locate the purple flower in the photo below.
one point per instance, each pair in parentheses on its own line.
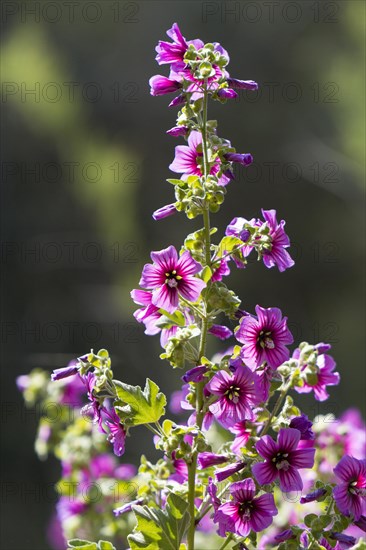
(282,460)
(177,131)
(304,425)
(172,52)
(222,270)
(216,502)
(164,212)
(277,255)
(117,435)
(242,435)
(237,396)
(221,332)
(242,84)
(228,471)
(350,492)
(177,101)
(246,512)
(161,85)
(170,276)
(264,337)
(361,523)
(315,495)
(127,507)
(241,158)
(318,381)
(206,460)
(237,228)
(188,159)
(195,374)
(227,93)
(346,541)
(69,506)
(285,535)
(64,372)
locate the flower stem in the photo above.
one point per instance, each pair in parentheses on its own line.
(275,410)
(192,466)
(226,542)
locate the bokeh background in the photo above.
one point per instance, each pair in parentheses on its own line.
(85,158)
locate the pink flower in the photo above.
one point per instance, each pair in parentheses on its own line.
(242,435)
(188,159)
(319,381)
(237,396)
(117,433)
(350,492)
(161,85)
(246,512)
(172,52)
(264,338)
(282,460)
(276,255)
(171,276)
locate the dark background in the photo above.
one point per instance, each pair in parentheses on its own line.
(85,158)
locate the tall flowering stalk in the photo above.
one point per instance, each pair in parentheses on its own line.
(221,472)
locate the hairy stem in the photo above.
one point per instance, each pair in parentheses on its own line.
(192,466)
(226,542)
(276,408)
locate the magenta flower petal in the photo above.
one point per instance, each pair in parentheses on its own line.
(164,212)
(347,468)
(165,298)
(264,473)
(266,447)
(191,288)
(303,458)
(288,439)
(290,480)
(161,85)
(242,84)
(243,490)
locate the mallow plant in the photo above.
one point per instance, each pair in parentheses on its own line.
(247,469)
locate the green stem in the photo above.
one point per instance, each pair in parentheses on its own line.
(226,542)
(192,466)
(152,429)
(276,408)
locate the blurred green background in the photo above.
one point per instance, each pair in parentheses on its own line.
(84,162)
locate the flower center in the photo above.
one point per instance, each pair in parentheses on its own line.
(172,279)
(245,510)
(233,393)
(281,461)
(264,339)
(358,487)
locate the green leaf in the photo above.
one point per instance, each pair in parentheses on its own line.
(141,407)
(106,545)
(309,519)
(177,318)
(160,529)
(227,245)
(174,181)
(206,274)
(82,544)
